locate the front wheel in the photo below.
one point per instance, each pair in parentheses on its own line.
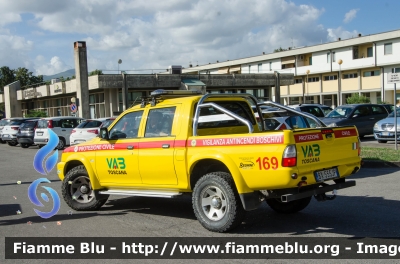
(77,190)
(382,141)
(289,207)
(216,202)
(2,141)
(12,143)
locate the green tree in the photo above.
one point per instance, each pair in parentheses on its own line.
(26,77)
(96,72)
(36,113)
(357,99)
(280,49)
(6,76)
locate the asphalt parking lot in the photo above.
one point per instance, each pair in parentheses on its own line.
(368,210)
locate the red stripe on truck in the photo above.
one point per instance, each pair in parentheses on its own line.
(308,137)
(351,132)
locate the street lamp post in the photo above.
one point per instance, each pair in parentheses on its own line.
(304,96)
(340,84)
(119,62)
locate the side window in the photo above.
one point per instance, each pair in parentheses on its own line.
(296,122)
(56,123)
(159,122)
(76,122)
(127,126)
(378,110)
(362,111)
(211,117)
(67,123)
(312,123)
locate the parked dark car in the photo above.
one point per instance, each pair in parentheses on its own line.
(363,116)
(26,133)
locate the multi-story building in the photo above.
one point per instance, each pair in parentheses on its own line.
(325,73)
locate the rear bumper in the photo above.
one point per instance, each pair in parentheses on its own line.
(251,201)
(25,140)
(8,137)
(40,141)
(318,189)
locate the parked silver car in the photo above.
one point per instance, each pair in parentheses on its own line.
(384,129)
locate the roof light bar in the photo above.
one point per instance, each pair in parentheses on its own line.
(174,92)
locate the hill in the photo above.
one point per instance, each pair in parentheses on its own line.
(65,74)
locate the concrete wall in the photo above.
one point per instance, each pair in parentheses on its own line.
(12,105)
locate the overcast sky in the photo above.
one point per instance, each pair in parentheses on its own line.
(150,34)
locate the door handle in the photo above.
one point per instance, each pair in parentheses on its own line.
(371,118)
(165,146)
(63,130)
(129,147)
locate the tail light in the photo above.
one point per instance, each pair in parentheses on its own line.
(15,128)
(289,158)
(73,131)
(283,126)
(50,123)
(93,131)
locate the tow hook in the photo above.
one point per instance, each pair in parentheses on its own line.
(322,197)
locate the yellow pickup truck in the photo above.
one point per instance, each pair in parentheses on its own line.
(212,147)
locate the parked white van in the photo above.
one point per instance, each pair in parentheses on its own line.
(61,125)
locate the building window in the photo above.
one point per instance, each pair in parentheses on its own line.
(249,68)
(334,56)
(395,70)
(369,52)
(371,73)
(298,80)
(388,48)
(355,52)
(350,75)
(313,79)
(328,57)
(330,78)
(259,67)
(310,61)
(270,65)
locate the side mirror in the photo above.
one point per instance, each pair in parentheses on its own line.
(104,133)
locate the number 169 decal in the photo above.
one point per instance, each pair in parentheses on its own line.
(266,163)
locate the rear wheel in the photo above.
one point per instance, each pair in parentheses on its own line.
(61,144)
(216,203)
(289,207)
(77,190)
(12,143)
(24,145)
(382,141)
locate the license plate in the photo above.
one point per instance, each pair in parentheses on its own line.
(326,174)
(39,133)
(385,134)
(5,135)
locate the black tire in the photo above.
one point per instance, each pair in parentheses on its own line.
(2,141)
(77,183)
(226,198)
(289,207)
(24,145)
(61,144)
(12,143)
(382,141)
(40,146)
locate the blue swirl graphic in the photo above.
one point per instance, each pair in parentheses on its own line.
(43,152)
(34,199)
